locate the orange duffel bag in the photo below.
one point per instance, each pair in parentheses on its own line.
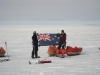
(52,50)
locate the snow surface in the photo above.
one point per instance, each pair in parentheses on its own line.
(19,46)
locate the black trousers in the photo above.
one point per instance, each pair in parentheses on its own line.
(35,51)
(63,45)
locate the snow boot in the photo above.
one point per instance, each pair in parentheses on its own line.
(63,51)
(57,52)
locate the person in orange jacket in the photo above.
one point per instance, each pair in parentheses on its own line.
(62,43)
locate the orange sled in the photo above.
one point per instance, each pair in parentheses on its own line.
(73,51)
(2,52)
(52,50)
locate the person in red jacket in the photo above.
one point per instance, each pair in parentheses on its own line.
(62,43)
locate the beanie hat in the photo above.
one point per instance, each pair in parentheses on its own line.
(62,31)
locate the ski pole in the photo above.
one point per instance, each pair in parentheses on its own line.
(7,50)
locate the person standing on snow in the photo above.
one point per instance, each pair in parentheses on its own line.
(62,43)
(35,45)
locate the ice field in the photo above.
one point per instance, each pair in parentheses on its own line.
(19,46)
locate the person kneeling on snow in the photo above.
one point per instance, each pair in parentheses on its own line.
(62,43)
(35,45)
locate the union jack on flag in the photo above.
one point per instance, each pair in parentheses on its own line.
(47,39)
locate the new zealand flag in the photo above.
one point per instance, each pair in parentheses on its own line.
(48,39)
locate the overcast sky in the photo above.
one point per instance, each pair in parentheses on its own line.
(49,11)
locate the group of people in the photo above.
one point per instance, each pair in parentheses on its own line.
(62,43)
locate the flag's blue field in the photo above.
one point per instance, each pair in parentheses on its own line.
(46,39)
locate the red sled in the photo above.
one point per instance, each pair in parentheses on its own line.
(73,51)
(44,61)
